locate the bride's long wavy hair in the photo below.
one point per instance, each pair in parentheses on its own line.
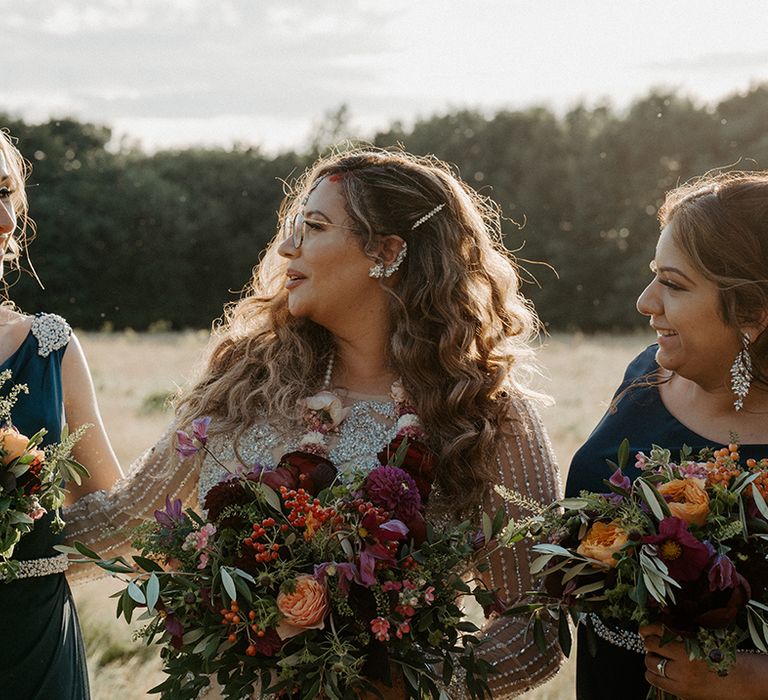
(461,330)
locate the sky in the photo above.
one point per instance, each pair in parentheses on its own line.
(174,73)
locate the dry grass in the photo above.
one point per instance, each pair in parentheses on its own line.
(133,373)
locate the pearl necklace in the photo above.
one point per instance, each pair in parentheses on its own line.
(329,371)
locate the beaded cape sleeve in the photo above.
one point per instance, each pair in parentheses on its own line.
(524,463)
(104,520)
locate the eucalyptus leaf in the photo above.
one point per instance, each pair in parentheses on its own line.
(228,583)
(136,593)
(153,591)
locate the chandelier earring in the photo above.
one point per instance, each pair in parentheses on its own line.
(741,374)
(380,270)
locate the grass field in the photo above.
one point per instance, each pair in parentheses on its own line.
(134,373)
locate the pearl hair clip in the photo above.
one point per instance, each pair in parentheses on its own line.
(427,216)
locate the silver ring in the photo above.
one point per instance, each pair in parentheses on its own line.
(661,667)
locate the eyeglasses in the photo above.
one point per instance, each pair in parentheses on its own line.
(296,228)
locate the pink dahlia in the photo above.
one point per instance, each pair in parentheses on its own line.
(394,489)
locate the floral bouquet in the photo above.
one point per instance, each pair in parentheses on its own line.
(684,545)
(31,479)
(306,587)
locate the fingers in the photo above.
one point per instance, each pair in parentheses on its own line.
(657,671)
(670,650)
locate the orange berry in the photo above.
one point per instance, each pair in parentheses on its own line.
(251,615)
(232,638)
(260,633)
(251,650)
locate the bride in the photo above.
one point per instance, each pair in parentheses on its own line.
(388,275)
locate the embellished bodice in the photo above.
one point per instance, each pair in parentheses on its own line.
(369,428)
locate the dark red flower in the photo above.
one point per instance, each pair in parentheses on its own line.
(393,489)
(698,606)
(419,462)
(313,472)
(685,556)
(269,644)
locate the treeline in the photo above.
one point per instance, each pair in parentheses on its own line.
(128,239)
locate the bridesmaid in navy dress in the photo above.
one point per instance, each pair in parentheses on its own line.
(705,380)
(41,650)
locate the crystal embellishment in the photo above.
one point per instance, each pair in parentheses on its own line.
(51,332)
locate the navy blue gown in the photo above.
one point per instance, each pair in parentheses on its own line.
(41,650)
(642,418)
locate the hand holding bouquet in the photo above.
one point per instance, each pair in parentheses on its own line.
(684,545)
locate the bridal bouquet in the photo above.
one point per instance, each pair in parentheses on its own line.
(31,478)
(685,545)
(307,587)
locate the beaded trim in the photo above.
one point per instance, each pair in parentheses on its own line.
(51,331)
(618,637)
(32,568)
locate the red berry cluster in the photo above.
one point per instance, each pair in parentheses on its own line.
(302,505)
(237,624)
(269,551)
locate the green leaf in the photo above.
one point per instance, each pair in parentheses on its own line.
(574,503)
(147,564)
(487,528)
(229,583)
(85,551)
(589,588)
(760,501)
(498,522)
(153,592)
(271,497)
(538,634)
(623,455)
(136,594)
(651,497)
(540,563)
(564,633)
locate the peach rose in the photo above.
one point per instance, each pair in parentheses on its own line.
(13,444)
(602,541)
(687,499)
(304,609)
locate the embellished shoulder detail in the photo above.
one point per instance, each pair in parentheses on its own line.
(51,332)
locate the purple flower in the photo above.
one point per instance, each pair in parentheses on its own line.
(395,490)
(621,481)
(684,555)
(394,530)
(172,515)
(200,428)
(187,447)
(368,558)
(346,572)
(174,628)
(721,574)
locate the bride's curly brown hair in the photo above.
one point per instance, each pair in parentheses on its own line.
(461,330)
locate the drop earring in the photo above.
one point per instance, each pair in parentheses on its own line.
(741,374)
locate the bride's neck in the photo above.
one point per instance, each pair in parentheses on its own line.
(362,366)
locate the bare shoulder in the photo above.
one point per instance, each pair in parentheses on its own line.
(14,328)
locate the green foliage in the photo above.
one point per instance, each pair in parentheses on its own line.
(129,239)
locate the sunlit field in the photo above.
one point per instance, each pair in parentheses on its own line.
(135,373)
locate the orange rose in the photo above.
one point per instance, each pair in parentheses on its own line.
(602,541)
(13,444)
(687,499)
(303,609)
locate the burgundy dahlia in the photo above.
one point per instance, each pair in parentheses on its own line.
(395,490)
